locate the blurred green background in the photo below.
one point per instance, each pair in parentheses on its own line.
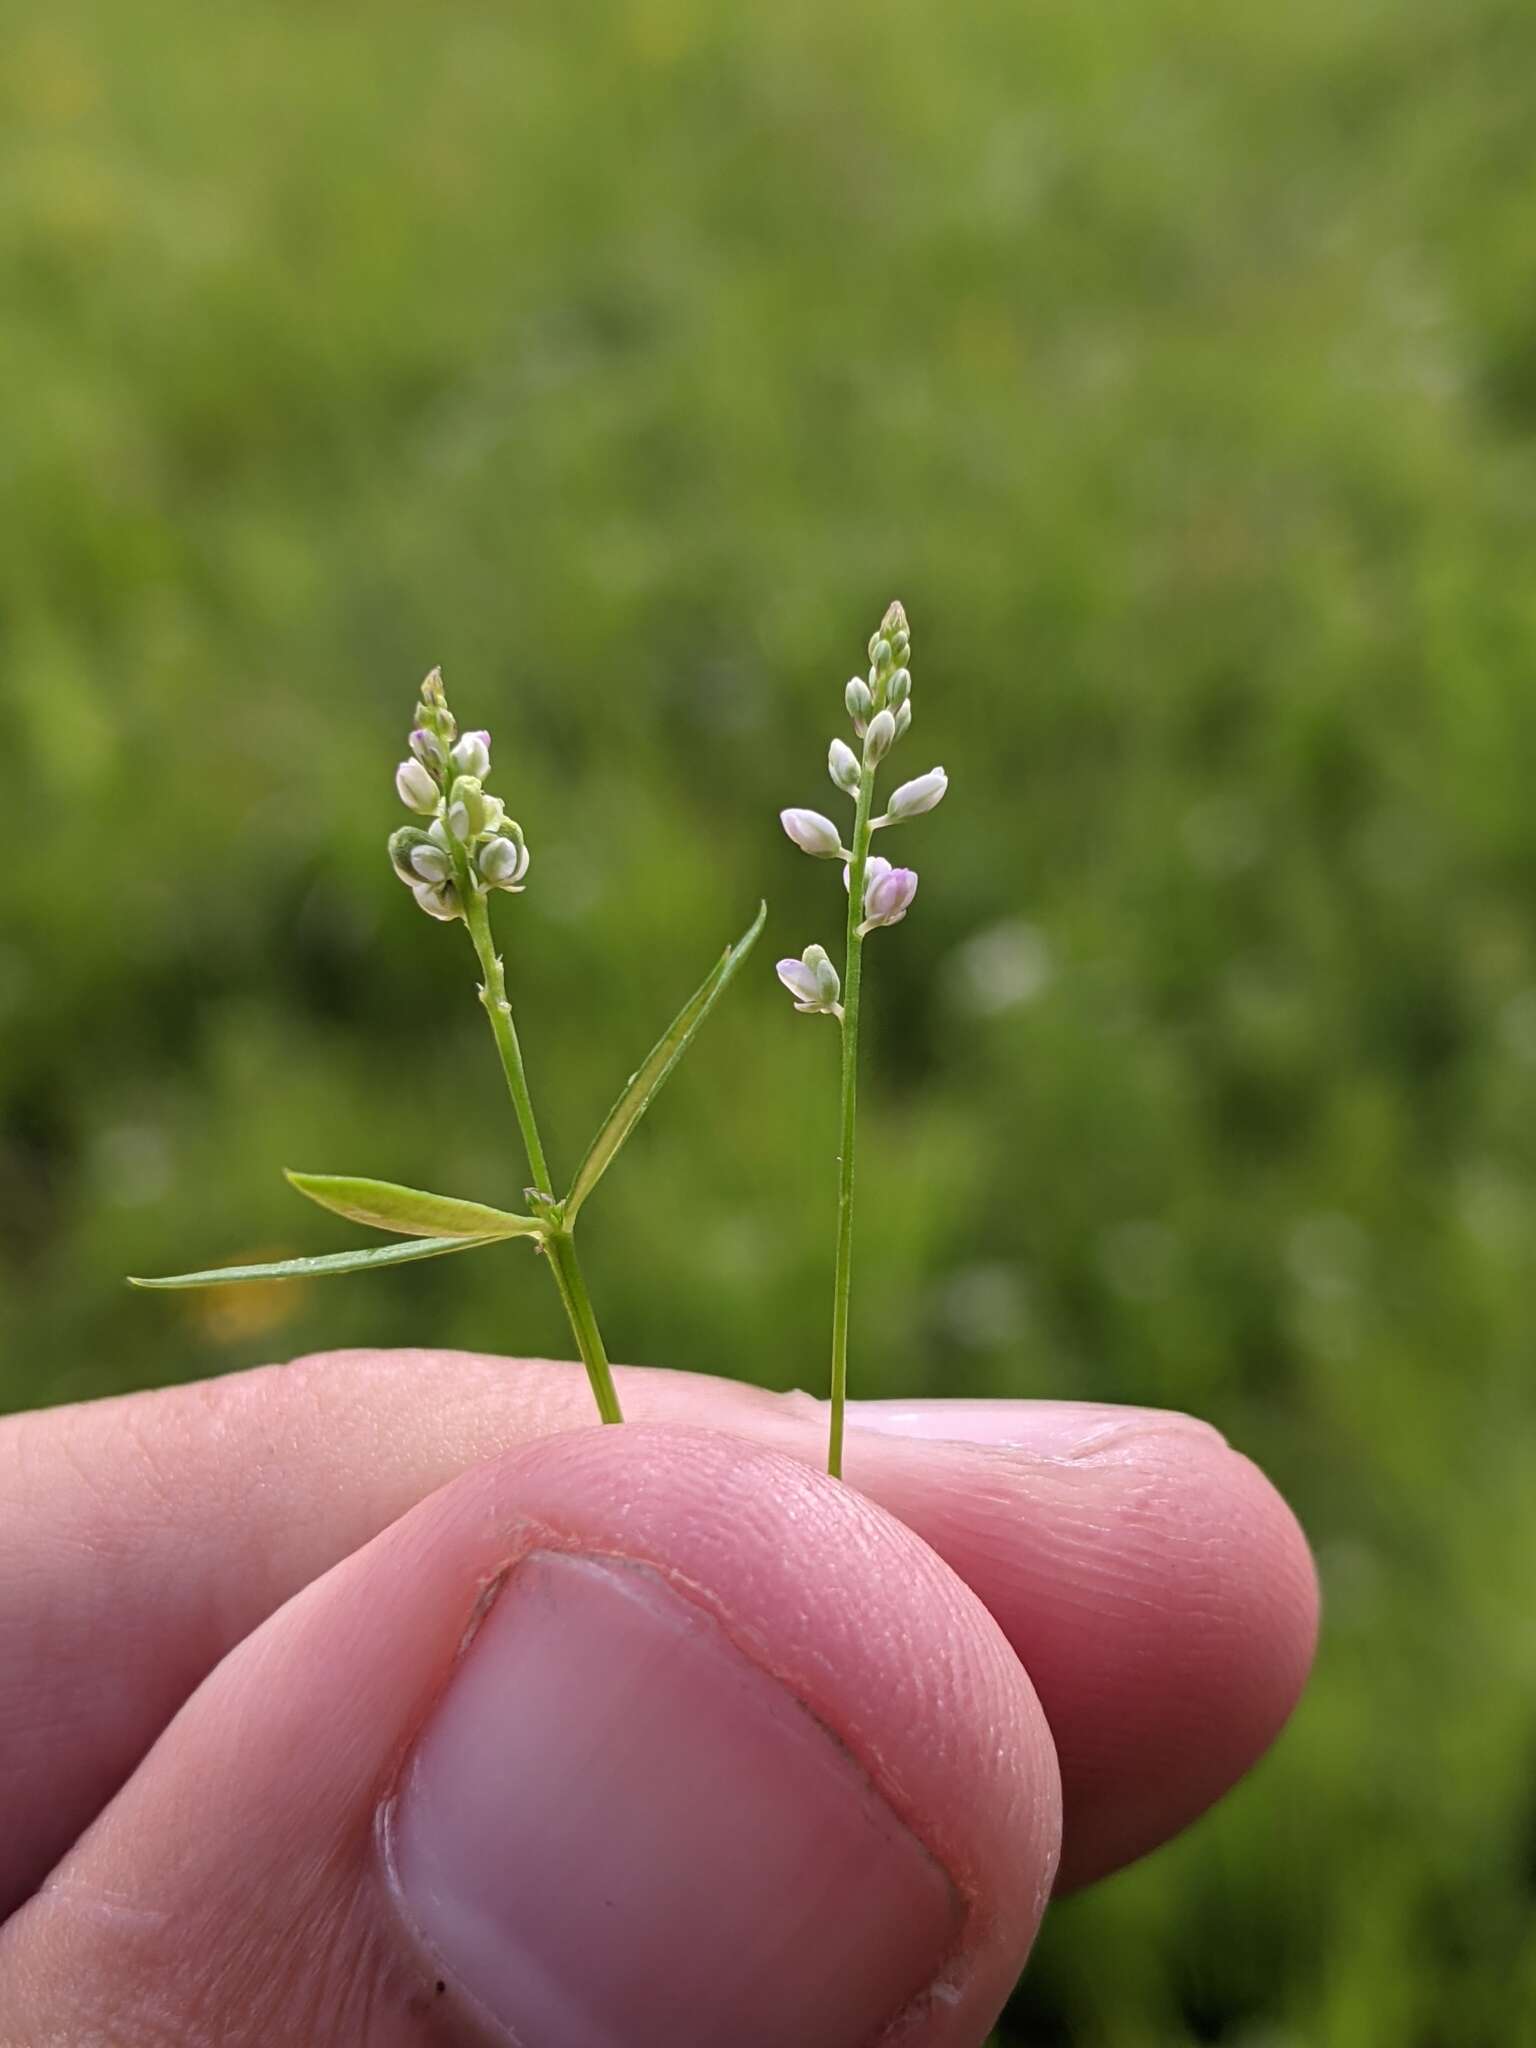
(1177,365)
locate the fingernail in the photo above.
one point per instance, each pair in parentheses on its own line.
(618,1831)
(1053,1429)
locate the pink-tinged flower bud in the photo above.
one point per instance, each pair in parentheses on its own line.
(843,767)
(880,738)
(438,899)
(812,980)
(472,755)
(917,796)
(860,703)
(504,863)
(800,982)
(812,833)
(428,748)
(888,894)
(416,788)
(430,864)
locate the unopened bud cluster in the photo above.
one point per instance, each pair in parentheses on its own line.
(880,707)
(471,842)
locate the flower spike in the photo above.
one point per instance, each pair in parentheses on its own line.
(470,845)
(880,707)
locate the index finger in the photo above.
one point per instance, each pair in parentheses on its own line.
(1154,1585)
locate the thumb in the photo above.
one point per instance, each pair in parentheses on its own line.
(641,1738)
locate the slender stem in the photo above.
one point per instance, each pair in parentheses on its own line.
(853,974)
(558,1243)
(563,1263)
(493,998)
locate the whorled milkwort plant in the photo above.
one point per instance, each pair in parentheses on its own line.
(465,851)
(880,706)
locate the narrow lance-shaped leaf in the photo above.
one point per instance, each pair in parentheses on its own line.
(411,1211)
(329,1262)
(643,1086)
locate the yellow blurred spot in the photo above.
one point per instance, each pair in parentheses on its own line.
(229,1315)
(660,31)
(55,80)
(74,194)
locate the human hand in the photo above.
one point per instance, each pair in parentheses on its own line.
(372,1700)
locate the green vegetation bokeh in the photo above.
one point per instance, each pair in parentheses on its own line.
(1177,366)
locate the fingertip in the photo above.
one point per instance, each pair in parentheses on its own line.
(649,1734)
(1178,1643)
(1149,1577)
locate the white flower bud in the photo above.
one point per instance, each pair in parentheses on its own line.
(859,702)
(466,809)
(899,688)
(917,796)
(828,985)
(415,787)
(427,747)
(903,717)
(812,980)
(472,755)
(402,845)
(812,833)
(880,738)
(438,899)
(503,863)
(843,767)
(431,864)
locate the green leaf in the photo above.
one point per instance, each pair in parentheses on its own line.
(411,1211)
(331,1262)
(642,1088)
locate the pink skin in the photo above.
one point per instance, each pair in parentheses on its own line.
(1148,1579)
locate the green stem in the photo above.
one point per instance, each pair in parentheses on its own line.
(563,1263)
(558,1243)
(842,1283)
(493,999)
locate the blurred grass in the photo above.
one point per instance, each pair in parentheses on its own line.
(1177,366)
